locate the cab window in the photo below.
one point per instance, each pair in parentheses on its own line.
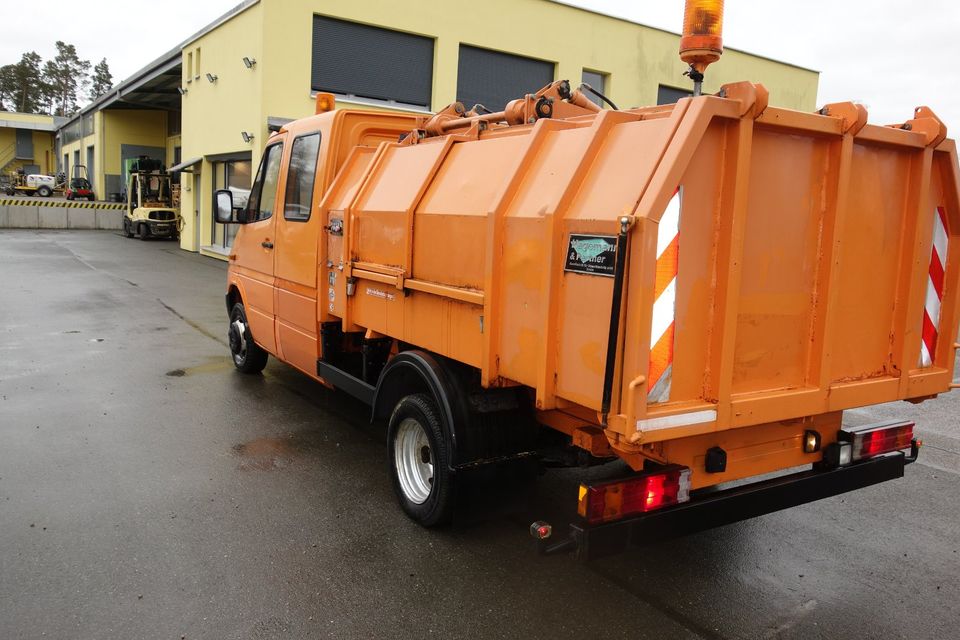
(300,177)
(263,196)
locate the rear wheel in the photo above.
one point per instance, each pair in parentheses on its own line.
(420,461)
(248,357)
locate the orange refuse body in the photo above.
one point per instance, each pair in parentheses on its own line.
(774,267)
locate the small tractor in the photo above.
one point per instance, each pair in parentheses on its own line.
(149,211)
(32,184)
(79,186)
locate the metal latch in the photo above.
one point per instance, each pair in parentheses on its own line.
(335,228)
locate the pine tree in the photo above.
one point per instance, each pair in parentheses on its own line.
(65,75)
(102,80)
(21,85)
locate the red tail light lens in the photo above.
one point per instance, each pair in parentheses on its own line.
(621,498)
(874,440)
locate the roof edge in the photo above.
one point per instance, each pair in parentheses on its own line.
(569,3)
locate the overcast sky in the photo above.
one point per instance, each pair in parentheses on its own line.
(890,55)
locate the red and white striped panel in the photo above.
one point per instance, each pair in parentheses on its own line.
(665,302)
(931,307)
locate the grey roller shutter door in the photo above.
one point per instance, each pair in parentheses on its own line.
(493,79)
(370,62)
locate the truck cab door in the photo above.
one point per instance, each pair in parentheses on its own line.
(298,227)
(254,248)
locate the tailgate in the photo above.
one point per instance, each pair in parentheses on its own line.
(807,263)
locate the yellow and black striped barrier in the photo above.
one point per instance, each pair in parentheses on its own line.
(67,204)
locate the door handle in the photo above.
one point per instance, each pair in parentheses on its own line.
(266,244)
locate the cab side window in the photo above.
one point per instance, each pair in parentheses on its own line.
(263,196)
(300,177)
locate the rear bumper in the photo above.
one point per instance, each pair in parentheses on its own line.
(725,507)
(162,229)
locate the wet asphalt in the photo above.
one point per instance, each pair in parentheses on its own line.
(149,491)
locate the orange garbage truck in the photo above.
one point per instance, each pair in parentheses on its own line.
(698,290)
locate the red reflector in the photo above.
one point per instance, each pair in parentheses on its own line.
(875,440)
(639,494)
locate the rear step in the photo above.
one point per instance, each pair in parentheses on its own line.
(721,508)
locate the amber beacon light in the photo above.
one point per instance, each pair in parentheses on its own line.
(701,43)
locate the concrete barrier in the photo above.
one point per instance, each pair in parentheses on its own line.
(21,217)
(55,215)
(52,217)
(108,219)
(81,219)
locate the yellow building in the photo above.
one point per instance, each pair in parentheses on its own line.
(261,64)
(27,143)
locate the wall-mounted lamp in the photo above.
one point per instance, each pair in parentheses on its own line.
(182,91)
(249,62)
(211,78)
(247,137)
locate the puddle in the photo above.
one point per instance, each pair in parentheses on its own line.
(216,364)
(265,454)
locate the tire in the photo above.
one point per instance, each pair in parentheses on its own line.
(91,197)
(247,355)
(69,197)
(143,230)
(44,191)
(127,229)
(420,461)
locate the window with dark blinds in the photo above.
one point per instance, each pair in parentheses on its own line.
(669,95)
(493,79)
(370,62)
(597,81)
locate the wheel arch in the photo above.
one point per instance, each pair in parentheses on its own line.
(416,371)
(233,296)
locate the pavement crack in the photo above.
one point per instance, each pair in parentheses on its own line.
(192,323)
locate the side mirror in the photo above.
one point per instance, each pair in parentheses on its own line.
(224,207)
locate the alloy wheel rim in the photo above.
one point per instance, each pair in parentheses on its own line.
(238,341)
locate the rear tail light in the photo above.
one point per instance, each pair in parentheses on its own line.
(621,498)
(861,443)
(874,440)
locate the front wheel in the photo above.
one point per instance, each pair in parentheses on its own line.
(144,231)
(127,229)
(420,461)
(248,357)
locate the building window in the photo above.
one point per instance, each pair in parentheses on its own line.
(234,175)
(190,66)
(596,80)
(173,123)
(72,132)
(300,176)
(369,62)
(669,95)
(493,78)
(87,125)
(196,67)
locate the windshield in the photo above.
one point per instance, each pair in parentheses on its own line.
(154,189)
